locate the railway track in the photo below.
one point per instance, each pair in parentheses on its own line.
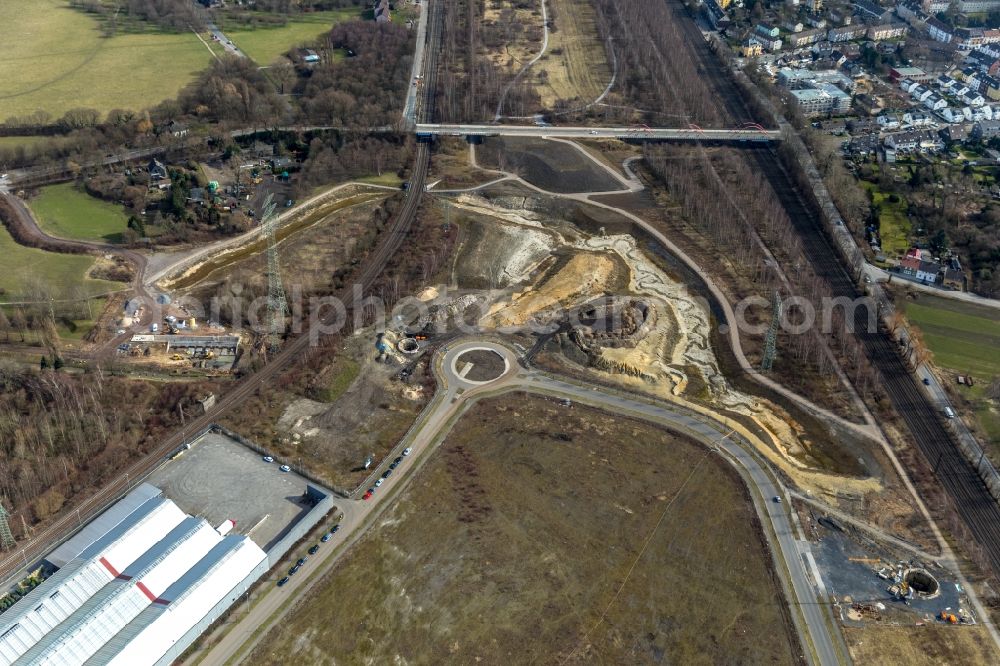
(291,353)
(957,476)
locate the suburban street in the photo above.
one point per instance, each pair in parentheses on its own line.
(456,393)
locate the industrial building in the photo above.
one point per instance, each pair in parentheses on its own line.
(135,586)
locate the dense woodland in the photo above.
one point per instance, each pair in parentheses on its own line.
(61,434)
(741,216)
(470,86)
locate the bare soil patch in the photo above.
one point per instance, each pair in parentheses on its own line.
(550,165)
(521,541)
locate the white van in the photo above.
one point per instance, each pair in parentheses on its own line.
(949,412)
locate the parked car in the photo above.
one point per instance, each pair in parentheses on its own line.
(378,482)
(314,549)
(398,459)
(301,561)
(326,537)
(927,381)
(393,465)
(407,451)
(386,474)
(335,528)
(285,468)
(268,459)
(367,495)
(282,581)
(777,500)
(291,572)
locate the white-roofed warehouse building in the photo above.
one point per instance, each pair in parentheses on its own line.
(151,559)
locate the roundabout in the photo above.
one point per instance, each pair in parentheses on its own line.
(477,363)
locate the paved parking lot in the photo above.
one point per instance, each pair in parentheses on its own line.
(219,478)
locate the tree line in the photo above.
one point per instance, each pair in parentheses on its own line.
(742,217)
(61,434)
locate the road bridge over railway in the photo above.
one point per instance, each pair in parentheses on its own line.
(745,133)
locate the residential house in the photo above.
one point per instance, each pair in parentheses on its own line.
(177,129)
(863,145)
(935,103)
(921,93)
(751,47)
(308,56)
(197,195)
(945,82)
(954,133)
(914,141)
(794,26)
(917,265)
(381,11)
(908,9)
(969,38)
(805,38)
(916,119)
(821,99)
(985,130)
(952,115)
(978,6)
(973,99)
(869,104)
(871,11)
(936,6)
(882,31)
(983,61)
(938,31)
(768,36)
(991,89)
(846,33)
(157,170)
(887,121)
(815,21)
(952,275)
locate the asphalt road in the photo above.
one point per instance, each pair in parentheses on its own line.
(456,394)
(642,132)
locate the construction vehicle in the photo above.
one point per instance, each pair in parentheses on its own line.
(177,357)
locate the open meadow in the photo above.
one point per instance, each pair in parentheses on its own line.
(62,275)
(67,212)
(575,68)
(55,59)
(521,540)
(963,339)
(264,45)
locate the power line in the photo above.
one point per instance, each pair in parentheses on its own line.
(277,305)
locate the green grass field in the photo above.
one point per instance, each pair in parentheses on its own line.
(53,58)
(894,226)
(62,274)
(962,336)
(964,339)
(264,45)
(65,211)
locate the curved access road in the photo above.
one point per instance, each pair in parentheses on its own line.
(456,393)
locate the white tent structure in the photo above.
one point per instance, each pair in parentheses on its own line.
(139,594)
